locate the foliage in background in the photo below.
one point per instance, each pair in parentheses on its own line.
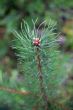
(13,11)
(62,3)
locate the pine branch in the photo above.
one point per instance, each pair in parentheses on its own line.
(13,91)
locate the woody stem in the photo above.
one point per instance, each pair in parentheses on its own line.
(39,66)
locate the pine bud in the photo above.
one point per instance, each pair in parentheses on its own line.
(36,41)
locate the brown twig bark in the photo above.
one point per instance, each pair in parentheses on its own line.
(39,66)
(13,91)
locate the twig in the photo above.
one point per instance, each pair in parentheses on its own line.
(13,91)
(41,78)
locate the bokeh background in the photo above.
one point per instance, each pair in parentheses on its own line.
(11,14)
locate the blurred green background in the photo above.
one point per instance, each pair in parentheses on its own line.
(11,14)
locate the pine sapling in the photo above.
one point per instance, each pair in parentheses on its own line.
(42,63)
